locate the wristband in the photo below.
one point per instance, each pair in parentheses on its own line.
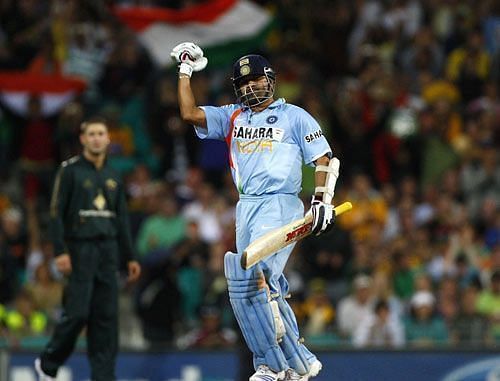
(185,69)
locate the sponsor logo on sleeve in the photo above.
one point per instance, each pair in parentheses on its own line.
(313,136)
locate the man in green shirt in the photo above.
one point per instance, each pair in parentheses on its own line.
(488,304)
(90,229)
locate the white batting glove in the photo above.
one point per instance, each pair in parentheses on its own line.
(190,58)
(323,216)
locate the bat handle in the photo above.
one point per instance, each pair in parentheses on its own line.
(344,207)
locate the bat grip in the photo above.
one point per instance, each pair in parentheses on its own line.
(344,207)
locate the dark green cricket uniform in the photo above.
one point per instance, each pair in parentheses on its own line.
(89,221)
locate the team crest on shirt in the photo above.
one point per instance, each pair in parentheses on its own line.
(313,136)
(111,184)
(272,119)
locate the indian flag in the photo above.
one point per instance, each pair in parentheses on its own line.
(54,90)
(224,29)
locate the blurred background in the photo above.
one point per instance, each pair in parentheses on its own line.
(407,93)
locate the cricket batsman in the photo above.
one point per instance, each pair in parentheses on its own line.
(268,139)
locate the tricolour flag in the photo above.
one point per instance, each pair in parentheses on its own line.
(224,29)
(54,90)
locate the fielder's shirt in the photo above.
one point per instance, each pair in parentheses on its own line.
(267,148)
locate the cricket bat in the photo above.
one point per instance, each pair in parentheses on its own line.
(281,237)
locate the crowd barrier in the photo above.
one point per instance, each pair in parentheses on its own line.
(344,365)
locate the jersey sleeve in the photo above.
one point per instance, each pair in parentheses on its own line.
(58,208)
(309,137)
(218,122)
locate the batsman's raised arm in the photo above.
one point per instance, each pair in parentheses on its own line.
(190,58)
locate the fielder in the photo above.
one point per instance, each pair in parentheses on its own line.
(268,140)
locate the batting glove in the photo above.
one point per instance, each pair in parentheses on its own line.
(323,216)
(190,58)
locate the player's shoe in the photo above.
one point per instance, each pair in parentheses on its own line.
(40,373)
(315,368)
(292,375)
(264,373)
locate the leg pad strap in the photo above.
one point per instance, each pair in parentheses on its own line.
(298,356)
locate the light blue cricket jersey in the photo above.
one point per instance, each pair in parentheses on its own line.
(266,149)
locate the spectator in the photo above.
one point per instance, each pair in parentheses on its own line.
(203,211)
(24,320)
(152,233)
(45,291)
(370,208)
(481,178)
(210,334)
(157,305)
(470,327)
(14,238)
(469,65)
(354,308)
(318,310)
(38,152)
(422,328)
(380,329)
(488,304)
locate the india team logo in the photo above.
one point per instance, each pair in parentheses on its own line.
(272,119)
(245,70)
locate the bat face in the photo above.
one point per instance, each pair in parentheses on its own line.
(277,239)
(298,233)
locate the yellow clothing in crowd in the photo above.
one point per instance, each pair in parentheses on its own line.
(365,213)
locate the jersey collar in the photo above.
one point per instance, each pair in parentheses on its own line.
(278,102)
(90,164)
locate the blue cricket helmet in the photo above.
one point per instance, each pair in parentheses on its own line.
(250,67)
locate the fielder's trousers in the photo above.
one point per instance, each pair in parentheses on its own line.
(91,300)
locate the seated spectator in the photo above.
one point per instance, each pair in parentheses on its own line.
(469,65)
(353,308)
(45,291)
(470,327)
(190,257)
(480,178)
(157,305)
(403,275)
(210,334)
(140,187)
(380,329)
(467,275)
(161,230)
(318,309)
(488,304)
(203,211)
(40,246)
(23,320)
(370,208)
(422,327)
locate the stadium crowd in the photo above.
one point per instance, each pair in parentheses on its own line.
(407,93)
